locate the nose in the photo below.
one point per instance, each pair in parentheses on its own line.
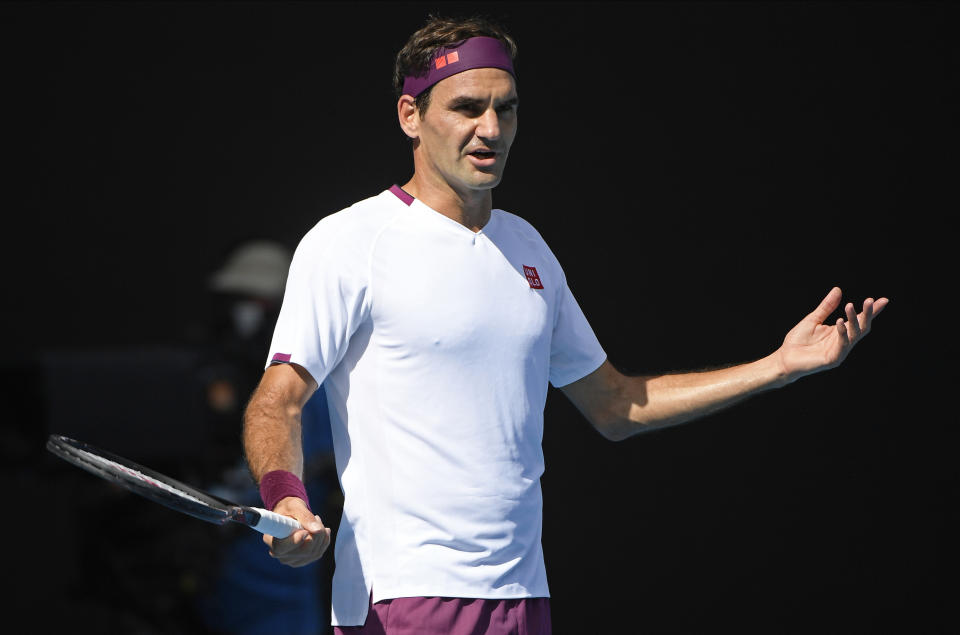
(488,124)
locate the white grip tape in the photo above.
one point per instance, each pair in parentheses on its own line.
(275,525)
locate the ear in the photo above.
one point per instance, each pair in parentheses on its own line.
(407,114)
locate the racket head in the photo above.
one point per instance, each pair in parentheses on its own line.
(148,483)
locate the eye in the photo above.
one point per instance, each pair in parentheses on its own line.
(467,107)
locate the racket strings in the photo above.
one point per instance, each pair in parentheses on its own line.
(114,466)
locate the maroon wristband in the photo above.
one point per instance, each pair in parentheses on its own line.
(278,484)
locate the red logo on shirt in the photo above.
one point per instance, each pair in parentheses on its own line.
(532,277)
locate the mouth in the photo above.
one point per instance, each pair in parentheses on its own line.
(483,158)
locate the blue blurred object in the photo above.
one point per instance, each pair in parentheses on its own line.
(317,439)
(256,595)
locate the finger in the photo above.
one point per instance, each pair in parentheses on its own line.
(304,545)
(297,509)
(866,316)
(316,543)
(307,552)
(314,525)
(842,332)
(320,544)
(853,322)
(878,305)
(284,546)
(827,306)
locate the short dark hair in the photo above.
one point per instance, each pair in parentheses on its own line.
(414,58)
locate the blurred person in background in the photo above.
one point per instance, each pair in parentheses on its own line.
(251,593)
(245,295)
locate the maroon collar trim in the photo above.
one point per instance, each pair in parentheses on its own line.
(397,191)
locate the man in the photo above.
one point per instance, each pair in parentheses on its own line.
(435,323)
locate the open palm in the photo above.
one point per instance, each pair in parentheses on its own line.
(812,345)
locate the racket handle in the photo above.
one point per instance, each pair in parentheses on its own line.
(275,525)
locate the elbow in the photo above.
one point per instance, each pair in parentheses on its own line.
(621,414)
(272,402)
(611,402)
(613,428)
(625,421)
(612,434)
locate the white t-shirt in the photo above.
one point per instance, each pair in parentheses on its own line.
(435,346)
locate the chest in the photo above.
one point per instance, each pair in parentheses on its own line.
(441,290)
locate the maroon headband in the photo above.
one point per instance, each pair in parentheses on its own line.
(475,52)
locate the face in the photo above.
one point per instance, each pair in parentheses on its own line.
(468,128)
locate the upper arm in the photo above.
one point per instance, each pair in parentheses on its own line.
(326,297)
(287,385)
(599,396)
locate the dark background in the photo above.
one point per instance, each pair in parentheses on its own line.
(705,172)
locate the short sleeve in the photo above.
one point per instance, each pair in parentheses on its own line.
(575,351)
(324,300)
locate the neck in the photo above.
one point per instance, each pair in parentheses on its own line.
(470,208)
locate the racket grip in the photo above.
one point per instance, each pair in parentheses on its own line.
(275,525)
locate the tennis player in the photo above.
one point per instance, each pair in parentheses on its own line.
(435,323)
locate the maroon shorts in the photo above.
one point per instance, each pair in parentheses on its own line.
(454,616)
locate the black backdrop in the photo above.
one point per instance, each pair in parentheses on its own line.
(705,172)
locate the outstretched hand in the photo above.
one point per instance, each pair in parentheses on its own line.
(813,345)
(304,545)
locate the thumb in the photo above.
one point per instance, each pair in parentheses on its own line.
(297,508)
(827,306)
(313,525)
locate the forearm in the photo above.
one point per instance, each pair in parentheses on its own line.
(271,439)
(648,402)
(272,428)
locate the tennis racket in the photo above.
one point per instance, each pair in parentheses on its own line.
(167,491)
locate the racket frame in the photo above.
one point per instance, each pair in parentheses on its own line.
(150,484)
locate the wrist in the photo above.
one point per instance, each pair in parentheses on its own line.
(280,484)
(781,374)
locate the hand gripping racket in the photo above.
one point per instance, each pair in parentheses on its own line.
(167,491)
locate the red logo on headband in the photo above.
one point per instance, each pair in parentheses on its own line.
(449,58)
